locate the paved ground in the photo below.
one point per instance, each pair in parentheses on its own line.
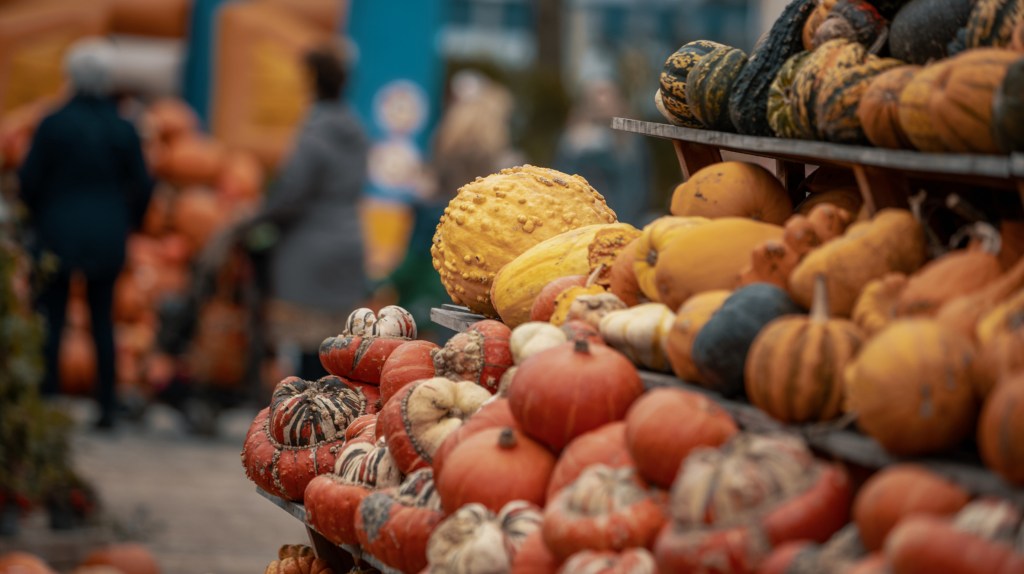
(186,497)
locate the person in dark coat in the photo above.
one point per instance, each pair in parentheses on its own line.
(315,267)
(86,186)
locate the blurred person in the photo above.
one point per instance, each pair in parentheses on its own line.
(86,187)
(615,163)
(472,140)
(308,226)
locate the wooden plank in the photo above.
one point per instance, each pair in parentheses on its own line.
(338,559)
(882,188)
(981,169)
(453,319)
(694,157)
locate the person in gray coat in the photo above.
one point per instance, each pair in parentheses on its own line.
(315,267)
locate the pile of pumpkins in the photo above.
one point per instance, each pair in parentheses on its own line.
(201,184)
(930,75)
(530,444)
(113,558)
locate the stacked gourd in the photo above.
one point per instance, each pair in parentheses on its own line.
(930,75)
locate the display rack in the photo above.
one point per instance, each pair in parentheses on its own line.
(833,439)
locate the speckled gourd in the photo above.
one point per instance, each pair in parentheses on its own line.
(493,219)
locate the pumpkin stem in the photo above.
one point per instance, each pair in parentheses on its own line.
(507,438)
(983,236)
(581,346)
(820,303)
(592,278)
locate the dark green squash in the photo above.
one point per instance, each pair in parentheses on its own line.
(748,103)
(672,82)
(840,93)
(990,24)
(923,29)
(782,96)
(709,84)
(720,349)
(1008,109)
(826,60)
(855,20)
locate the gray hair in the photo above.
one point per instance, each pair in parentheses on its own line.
(89,64)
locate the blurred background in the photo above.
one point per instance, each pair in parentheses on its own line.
(217,91)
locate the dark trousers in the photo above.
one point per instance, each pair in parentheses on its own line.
(52,303)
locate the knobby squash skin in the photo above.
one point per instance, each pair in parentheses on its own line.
(748,102)
(721,347)
(709,84)
(673,78)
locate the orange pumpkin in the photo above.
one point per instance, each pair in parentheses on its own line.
(129,557)
(926,544)
(493,414)
(956,273)
(898,491)
(544,304)
(240,176)
(410,361)
(1000,336)
(1000,429)
(534,557)
(622,280)
(665,425)
(605,445)
(23,563)
(930,406)
(795,365)
(963,313)
(732,189)
(878,110)
(692,315)
(192,159)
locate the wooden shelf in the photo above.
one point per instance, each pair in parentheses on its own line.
(833,439)
(885,176)
(342,558)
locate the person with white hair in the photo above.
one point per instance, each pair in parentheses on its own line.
(85,185)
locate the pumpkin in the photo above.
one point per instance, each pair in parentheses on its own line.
(492,220)
(170,118)
(731,505)
(331,505)
(653,239)
(533,337)
(875,563)
(362,428)
(197,215)
(516,468)
(604,250)
(773,261)
(297,559)
(931,406)
(732,188)
(589,308)
(925,544)
(991,518)
(192,159)
(516,285)
(1000,427)
(475,539)
(914,110)
(720,348)
(304,412)
(665,425)
(691,317)
(603,509)
(241,176)
(839,553)
(605,445)
(818,15)
(958,272)
(1008,106)
(419,417)
(479,354)
(563,392)
(782,98)
(368,463)
(22,562)
(544,304)
(708,256)
(534,557)
(961,105)
(368,339)
(893,241)
(878,110)
(709,83)
(999,335)
(876,306)
(395,524)
(825,62)
(284,470)
(923,29)
(855,20)
(622,279)
(748,102)
(629,561)
(673,78)
(794,370)
(128,557)
(899,491)
(963,313)
(838,99)
(638,332)
(495,413)
(410,361)
(991,23)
